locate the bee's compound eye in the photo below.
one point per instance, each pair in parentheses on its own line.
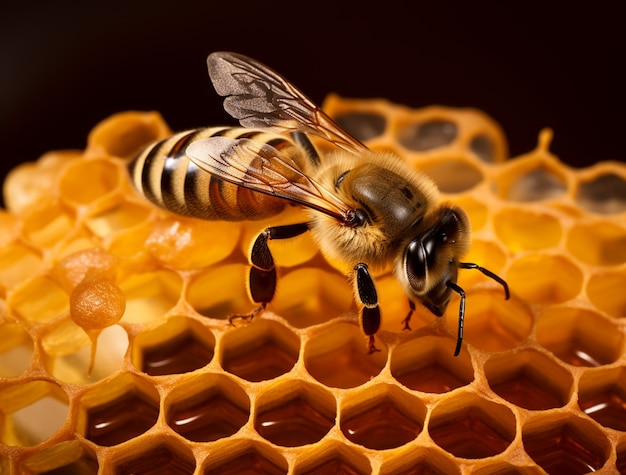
(416,263)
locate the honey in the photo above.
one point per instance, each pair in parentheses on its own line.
(92,276)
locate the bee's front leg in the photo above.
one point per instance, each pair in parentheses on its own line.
(368,297)
(262,274)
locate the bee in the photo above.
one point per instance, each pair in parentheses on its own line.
(367,209)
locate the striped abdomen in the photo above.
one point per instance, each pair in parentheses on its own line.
(166,176)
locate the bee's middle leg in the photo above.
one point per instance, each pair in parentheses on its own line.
(262,274)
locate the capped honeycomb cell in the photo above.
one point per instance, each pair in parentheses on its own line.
(469,426)
(259,351)
(382,417)
(561,443)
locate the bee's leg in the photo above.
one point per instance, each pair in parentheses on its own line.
(407,319)
(459,333)
(370,313)
(262,275)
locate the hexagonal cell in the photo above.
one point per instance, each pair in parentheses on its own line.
(104,175)
(332,457)
(245,458)
(579,337)
(621,458)
(606,292)
(428,364)
(482,145)
(47,225)
(426,135)
(523,229)
(492,323)
(118,410)
(476,211)
(505,468)
(207,408)
(602,396)
(531,179)
(16,350)
(337,357)
(294,413)
(68,353)
(220,291)
(261,350)
(124,216)
(600,243)
(18,263)
(564,443)
(155,456)
(362,125)
(309,296)
(425,461)
(382,417)
(453,175)
(545,279)
(65,458)
(33,412)
(604,194)
(469,426)
(39,300)
(488,254)
(150,295)
(529,379)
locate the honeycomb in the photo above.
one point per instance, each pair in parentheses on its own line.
(116,354)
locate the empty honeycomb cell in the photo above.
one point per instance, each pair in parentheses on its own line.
(483,147)
(524,229)
(545,279)
(578,336)
(621,458)
(600,243)
(16,350)
(178,345)
(79,365)
(476,211)
(427,135)
(150,295)
(261,350)
(207,408)
(39,300)
(492,323)
(500,468)
(330,456)
(156,456)
(602,396)
(428,460)
(125,134)
(123,216)
(603,194)
(185,243)
(65,458)
(428,364)
(564,443)
(219,291)
(606,292)
(382,417)
(105,178)
(469,426)
(309,296)
(453,175)
(18,263)
(337,357)
(529,379)
(46,226)
(31,412)
(117,410)
(294,413)
(362,125)
(245,458)
(490,254)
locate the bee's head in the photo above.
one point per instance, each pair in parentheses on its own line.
(431,259)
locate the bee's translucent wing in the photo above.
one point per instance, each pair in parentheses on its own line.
(260,98)
(261,167)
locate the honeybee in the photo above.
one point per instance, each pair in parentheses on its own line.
(366,209)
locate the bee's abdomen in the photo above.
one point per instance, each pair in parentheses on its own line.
(164,175)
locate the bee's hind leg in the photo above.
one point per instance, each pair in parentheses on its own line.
(262,275)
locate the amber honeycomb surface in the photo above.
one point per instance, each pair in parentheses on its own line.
(116,355)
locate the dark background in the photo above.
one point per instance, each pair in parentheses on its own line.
(64,66)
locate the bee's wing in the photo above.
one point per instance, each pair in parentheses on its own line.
(260,98)
(261,167)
